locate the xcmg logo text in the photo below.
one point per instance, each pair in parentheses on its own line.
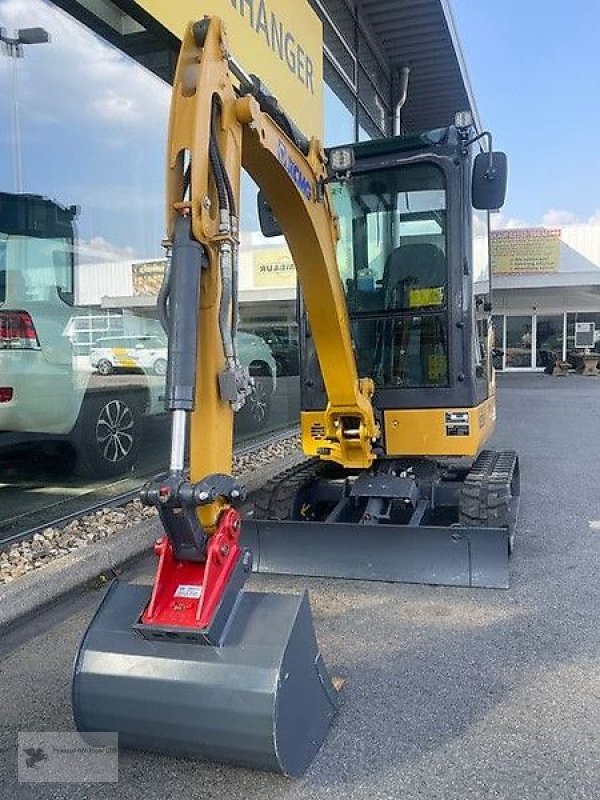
(293,170)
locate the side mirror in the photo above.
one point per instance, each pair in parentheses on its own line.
(268,224)
(489,181)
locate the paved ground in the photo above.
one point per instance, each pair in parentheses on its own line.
(451,694)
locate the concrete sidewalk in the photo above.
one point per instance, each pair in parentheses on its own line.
(451,693)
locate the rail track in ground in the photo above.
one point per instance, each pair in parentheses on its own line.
(16,528)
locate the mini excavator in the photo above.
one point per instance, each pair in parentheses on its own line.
(397,486)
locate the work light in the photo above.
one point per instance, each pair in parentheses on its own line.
(341,159)
(463,119)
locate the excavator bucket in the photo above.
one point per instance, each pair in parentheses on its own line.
(260,698)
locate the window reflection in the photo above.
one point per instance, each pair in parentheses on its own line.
(410,351)
(81,264)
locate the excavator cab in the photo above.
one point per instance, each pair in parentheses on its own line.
(408,267)
(434,507)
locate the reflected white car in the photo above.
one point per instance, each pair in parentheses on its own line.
(48,391)
(148,353)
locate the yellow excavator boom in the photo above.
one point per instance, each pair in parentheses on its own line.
(207,103)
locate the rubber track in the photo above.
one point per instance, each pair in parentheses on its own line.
(276,499)
(486,497)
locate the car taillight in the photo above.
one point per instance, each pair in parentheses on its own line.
(6,394)
(17,331)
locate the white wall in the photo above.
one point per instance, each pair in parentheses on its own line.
(580,248)
(546,300)
(106,279)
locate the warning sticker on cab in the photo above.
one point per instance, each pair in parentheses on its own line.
(428,296)
(188,590)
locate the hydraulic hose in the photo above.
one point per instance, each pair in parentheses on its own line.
(226,296)
(235,314)
(232,285)
(218,169)
(162,302)
(229,254)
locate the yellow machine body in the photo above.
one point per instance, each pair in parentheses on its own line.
(422,432)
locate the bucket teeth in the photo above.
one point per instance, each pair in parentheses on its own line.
(263,699)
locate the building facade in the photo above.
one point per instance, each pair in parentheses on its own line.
(545,284)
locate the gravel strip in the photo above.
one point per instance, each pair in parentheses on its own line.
(51,544)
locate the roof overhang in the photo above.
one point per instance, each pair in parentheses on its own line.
(422,35)
(548,280)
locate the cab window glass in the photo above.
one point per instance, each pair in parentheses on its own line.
(408,351)
(392,251)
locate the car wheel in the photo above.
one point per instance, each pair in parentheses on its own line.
(160,366)
(257,408)
(108,435)
(105,367)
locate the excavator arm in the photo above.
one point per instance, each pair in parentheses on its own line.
(219,126)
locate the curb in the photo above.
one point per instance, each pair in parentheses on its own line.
(45,587)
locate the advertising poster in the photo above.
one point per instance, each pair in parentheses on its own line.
(525,250)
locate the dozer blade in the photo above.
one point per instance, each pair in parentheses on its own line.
(262,699)
(445,556)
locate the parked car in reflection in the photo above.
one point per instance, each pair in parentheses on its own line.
(147,353)
(49,396)
(284,348)
(115,354)
(256,355)
(286,354)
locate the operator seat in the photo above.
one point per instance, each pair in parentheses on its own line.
(409,349)
(412,266)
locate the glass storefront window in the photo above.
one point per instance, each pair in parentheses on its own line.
(549,339)
(339,122)
(85,146)
(81,264)
(498,345)
(574,354)
(518,342)
(582,316)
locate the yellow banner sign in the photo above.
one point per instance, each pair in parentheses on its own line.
(525,250)
(281,41)
(148,277)
(273,268)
